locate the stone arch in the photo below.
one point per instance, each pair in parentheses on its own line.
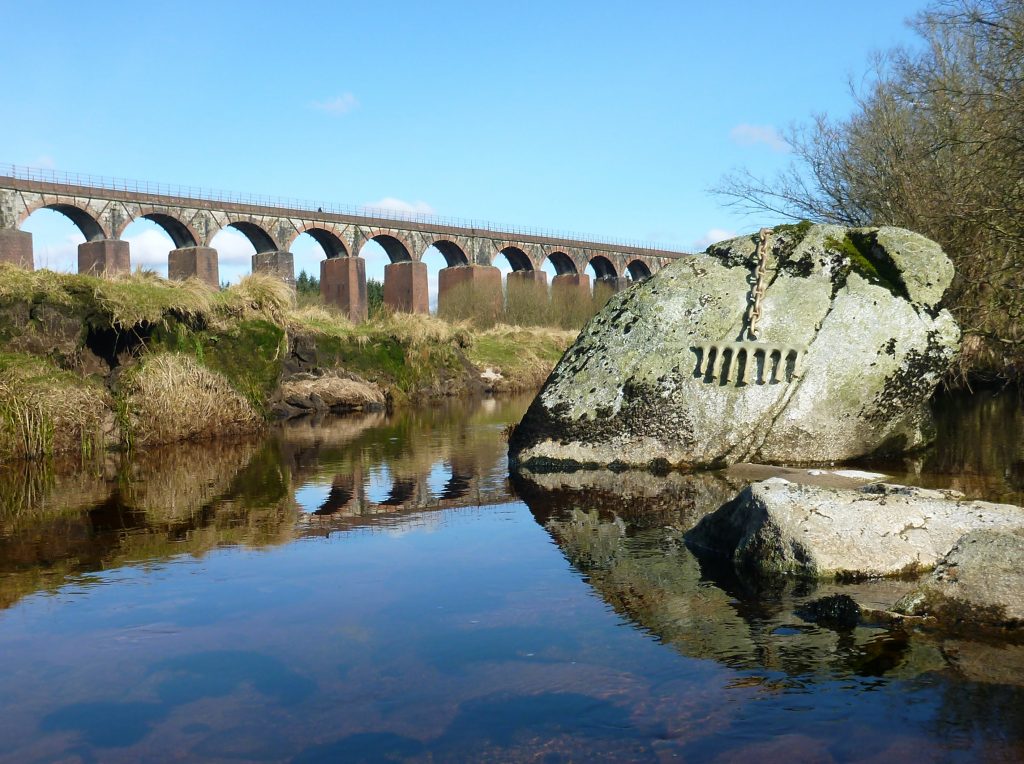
(453,254)
(562,262)
(516,257)
(396,249)
(603,267)
(403,491)
(181,233)
(90,227)
(257,236)
(331,243)
(638,270)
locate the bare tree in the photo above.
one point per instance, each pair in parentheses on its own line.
(935,144)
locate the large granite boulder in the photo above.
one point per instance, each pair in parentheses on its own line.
(852,342)
(779,527)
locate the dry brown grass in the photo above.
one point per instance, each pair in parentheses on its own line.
(143,297)
(46,411)
(259,295)
(180,482)
(169,397)
(320,319)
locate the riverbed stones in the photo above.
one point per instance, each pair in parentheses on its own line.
(865,305)
(778,527)
(980,581)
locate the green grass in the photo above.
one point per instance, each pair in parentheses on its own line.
(56,326)
(523,356)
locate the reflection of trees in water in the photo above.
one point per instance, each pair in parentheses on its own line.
(979,449)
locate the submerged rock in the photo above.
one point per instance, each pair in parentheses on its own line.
(836,611)
(776,527)
(852,342)
(980,581)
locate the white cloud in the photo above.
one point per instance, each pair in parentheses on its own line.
(149,249)
(338,105)
(752,135)
(390,204)
(45,162)
(232,247)
(713,236)
(57,254)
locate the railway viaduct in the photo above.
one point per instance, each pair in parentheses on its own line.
(102,208)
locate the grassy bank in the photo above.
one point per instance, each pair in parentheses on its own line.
(91,363)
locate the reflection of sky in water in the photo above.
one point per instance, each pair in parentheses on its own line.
(311,496)
(438,477)
(378,484)
(242,631)
(460,635)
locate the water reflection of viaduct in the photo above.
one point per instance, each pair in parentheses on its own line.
(349,496)
(365,480)
(103,208)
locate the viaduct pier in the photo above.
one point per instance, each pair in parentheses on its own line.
(102,208)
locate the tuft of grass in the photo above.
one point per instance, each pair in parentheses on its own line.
(259,295)
(169,397)
(41,286)
(46,411)
(144,298)
(320,319)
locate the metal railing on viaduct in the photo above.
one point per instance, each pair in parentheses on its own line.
(102,208)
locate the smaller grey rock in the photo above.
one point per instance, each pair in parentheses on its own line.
(980,582)
(778,527)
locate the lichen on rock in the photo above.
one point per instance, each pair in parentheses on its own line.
(777,527)
(865,323)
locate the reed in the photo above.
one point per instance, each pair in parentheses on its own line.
(44,410)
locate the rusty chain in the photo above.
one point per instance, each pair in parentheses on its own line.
(757,291)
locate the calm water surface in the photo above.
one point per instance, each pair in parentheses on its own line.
(377,589)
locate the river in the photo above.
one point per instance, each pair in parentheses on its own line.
(376,588)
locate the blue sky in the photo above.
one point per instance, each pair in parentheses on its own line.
(605,118)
